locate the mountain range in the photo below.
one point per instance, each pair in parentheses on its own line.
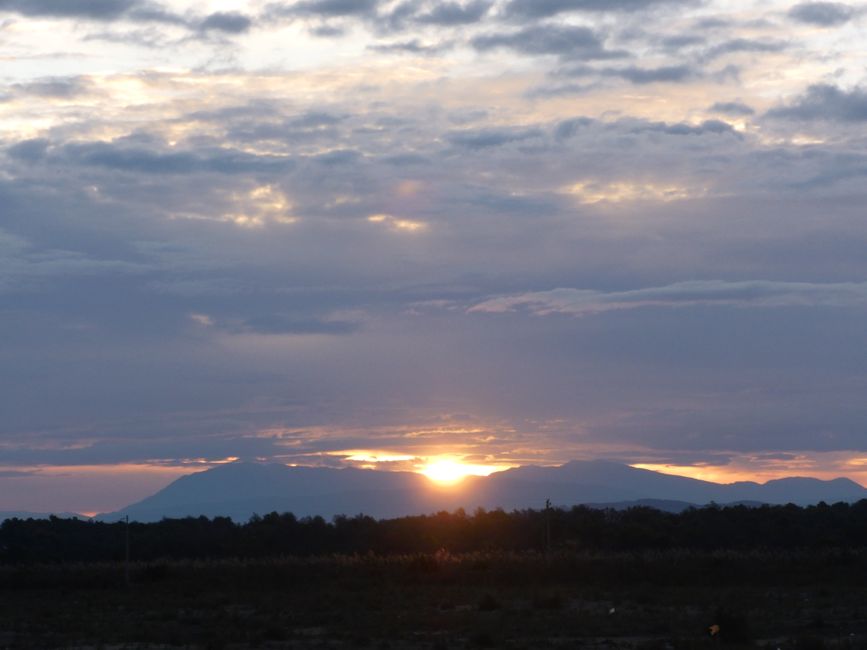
(24,514)
(241,489)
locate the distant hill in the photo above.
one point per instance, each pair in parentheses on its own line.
(667,505)
(39,515)
(238,490)
(578,481)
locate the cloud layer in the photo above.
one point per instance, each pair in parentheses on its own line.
(514,231)
(578,302)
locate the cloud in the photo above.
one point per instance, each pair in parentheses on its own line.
(382,16)
(565,41)
(638,75)
(148,12)
(229,22)
(824,14)
(453,13)
(707,127)
(825,102)
(413,46)
(485,138)
(14,473)
(592,192)
(751,45)
(523,9)
(326,8)
(310,127)
(280,324)
(734,109)
(671,73)
(29,150)
(136,159)
(89,9)
(675,43)
(763,294)
(25,268)
(568,128)
(95,10)
(55,87)
(134,11)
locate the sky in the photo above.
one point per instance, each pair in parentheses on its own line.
(378,232)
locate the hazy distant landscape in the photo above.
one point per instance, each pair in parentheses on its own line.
(239,490)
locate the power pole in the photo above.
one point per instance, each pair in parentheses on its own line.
(548,528)
(126,562)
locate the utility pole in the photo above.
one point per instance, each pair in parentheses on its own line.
(548,528)
(126,562)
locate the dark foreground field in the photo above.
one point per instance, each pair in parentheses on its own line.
(661,599)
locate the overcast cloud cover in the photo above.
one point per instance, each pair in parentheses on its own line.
(511,230)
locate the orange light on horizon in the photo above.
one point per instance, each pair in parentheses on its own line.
(759,473)
(451,471)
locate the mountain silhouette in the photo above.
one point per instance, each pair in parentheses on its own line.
(241,489)
(25,514)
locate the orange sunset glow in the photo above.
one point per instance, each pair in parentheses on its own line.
(451,471)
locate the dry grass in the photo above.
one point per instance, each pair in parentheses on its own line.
(650,600)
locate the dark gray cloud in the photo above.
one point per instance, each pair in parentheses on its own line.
(385,18)
(637,75)
(674,43)
(55,87)
(565,41)
(382,17)
(560,90)
(751,45)
(825,102)
(398,18)
(485,138)
(6,474)
(523,9)
(145,12)
(29,150)
(825,14)
(315,119)
(413,46)
(146,37)
(568,128)
(672,73)
(715,127)
(283,324)
(713,23)
(310,127)
(122,157)
(95,10)
(88,9)
(326,8)
(229,22)
(453,13)
(735,109)
(134,11)
(327,31)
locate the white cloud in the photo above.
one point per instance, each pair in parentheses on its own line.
(763,294)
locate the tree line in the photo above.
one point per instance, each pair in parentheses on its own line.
(580,528)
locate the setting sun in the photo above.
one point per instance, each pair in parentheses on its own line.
(448,471)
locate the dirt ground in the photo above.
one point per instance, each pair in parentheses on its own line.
(662,600)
